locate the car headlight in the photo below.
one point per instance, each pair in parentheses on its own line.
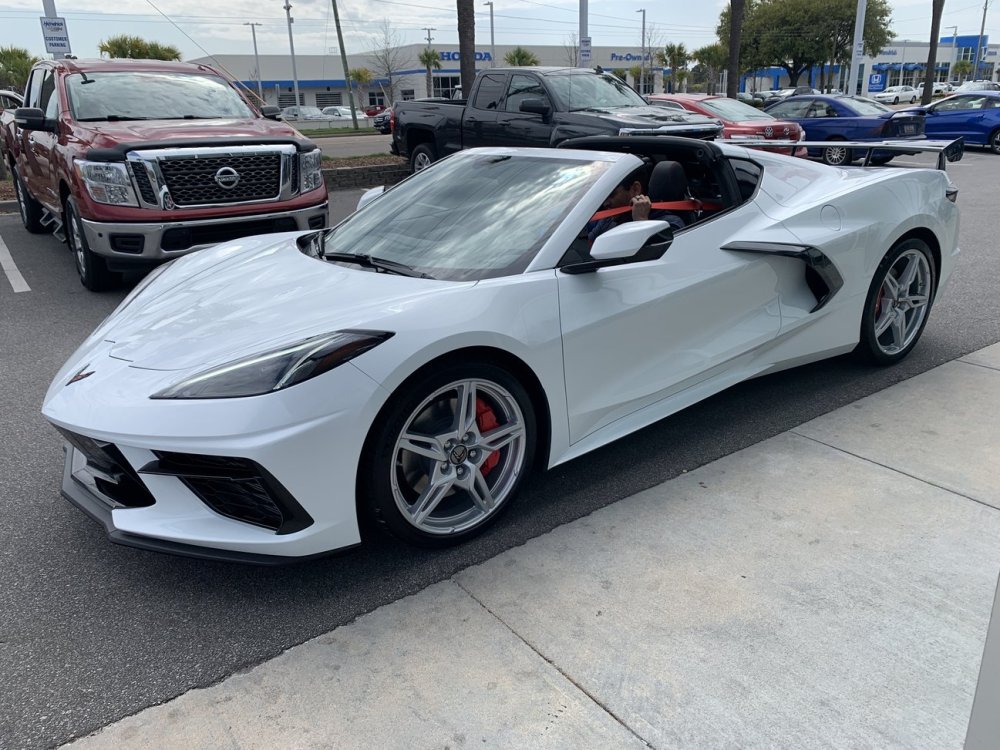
(278,368)
(310,170)
(107,182)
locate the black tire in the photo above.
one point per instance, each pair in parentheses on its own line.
(882,160)
(872,346)
(30,209)
(994,142)
(92,268)
(837,156)
(895,100)
(392,480)
(422,157)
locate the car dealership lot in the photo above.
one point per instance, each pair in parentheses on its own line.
(91,632)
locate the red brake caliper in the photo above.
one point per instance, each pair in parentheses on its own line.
(486,420)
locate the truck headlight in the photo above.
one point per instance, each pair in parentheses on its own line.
(310,173)
(107,182)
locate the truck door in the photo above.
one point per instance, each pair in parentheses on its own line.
(516,128)
(479,121)
(41,144)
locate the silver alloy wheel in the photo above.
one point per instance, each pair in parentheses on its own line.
(901,304)
(835,155)
(995,141)
(76,243)
(19,194)
(421,161)
(444,477)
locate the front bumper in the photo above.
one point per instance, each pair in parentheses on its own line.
(157,241)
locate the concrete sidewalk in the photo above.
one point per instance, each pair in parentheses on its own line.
(827,588)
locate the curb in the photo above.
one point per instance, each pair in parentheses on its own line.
(337,178)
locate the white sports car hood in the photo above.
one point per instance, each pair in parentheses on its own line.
(251,296)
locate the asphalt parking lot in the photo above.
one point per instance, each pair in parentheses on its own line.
(91,632)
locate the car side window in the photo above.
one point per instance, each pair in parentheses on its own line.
(48,102)
(992,102)
(791,109)
(820,109)
(522,87)
(490,91)
(32,89)
(952,105)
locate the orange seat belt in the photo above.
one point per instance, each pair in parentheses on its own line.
(688,205)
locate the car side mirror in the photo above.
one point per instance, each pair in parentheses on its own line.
(633,241)
(270,112)
(536,107)
(369,196)
(32,118)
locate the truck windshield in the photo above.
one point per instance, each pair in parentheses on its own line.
(580,91)
(471,216)
(130,95)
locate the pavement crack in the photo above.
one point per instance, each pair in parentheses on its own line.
(600,704)
(896,470)
(991,368)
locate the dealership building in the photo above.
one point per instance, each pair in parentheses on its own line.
(322,83)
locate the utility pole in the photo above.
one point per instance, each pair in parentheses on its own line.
(256,58)
(979,42)
(343,64)
(430,39)
(954,52)
(642,62)
(291,46)
(493,48)
(858,50)
(583,26)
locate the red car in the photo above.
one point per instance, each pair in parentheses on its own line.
(373,109)
(739,121)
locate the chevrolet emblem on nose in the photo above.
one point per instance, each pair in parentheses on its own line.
(227,178)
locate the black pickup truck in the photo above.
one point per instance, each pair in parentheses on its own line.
(534,107)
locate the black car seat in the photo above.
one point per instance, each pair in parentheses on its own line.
(668,183)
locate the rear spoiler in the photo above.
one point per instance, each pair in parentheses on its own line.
(946,150)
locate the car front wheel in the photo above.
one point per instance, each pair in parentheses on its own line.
(448,455)
(28,207)
(422,157)
(898,303)
(995,141)
(92,268)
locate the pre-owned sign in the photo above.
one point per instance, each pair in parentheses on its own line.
(56,36)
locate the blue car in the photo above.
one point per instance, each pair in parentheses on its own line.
(848,118)
(973,115)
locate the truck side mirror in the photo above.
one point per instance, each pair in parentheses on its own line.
(32,118)
(536,107)
(271,112)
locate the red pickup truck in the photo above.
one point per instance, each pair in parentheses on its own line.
(133,162)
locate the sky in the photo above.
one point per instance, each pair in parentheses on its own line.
(198,28)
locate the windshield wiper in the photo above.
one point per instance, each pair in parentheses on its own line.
(378,264)
(589,109)
(111,118)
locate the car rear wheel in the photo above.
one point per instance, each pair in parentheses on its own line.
(422,157)
(895,100)
(898,303)
(837,156)
(995,141)
(92,268)
(448,455)
(30,209)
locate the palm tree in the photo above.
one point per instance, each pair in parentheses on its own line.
(15,65)
(636,72)
(135,47)
(961,69)
(619,73)
(519,57)
(713,57)
(431,60)
(737,9)
(466,12)
(675,57)
(362,78)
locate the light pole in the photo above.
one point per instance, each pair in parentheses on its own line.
(256,59)
(979,42)
(291,46)
(583,27)
(493,49)
(857,50)
(642,62)
(954,52)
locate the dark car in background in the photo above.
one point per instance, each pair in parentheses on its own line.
(973,116)
(382,121)
(848,118)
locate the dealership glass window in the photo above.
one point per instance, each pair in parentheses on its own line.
(288,100)
(376,99)
(445,85)
(408,95)
(329,99)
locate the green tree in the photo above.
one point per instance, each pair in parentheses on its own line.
(431,60)
(362,78)
(15,65)
(675,57)
(135,47)
(619,73)
(466,17)
(636,72)
(714,57)
(519,57)
(961,70)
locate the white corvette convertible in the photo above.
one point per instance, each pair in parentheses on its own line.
(254,400)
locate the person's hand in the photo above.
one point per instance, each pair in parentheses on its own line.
(640,208)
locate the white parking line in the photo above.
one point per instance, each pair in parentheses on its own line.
(13,275)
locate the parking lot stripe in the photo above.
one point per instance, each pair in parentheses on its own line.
(13,275)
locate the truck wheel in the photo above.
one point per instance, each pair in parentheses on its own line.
(93,269)
(422,157)
(29,208)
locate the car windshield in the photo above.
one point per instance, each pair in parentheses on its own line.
(863,106)
(730,109)
(132,95)
(471,216)
(581,91)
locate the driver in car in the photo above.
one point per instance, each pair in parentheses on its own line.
(631,190)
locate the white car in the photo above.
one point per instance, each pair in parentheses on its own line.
(343,113)
(415,362)
(897,94)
